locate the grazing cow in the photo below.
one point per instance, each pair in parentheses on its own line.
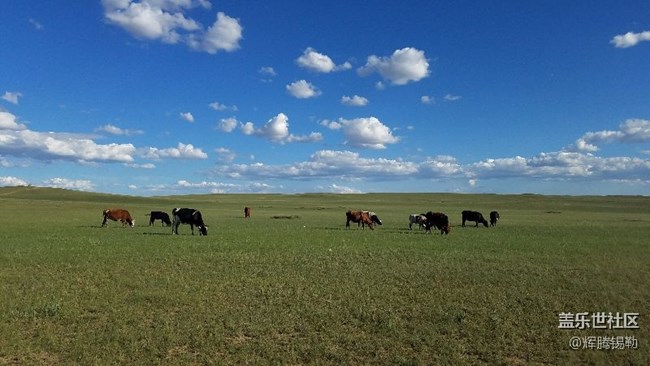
(188,216)
(118,214)
(373,217)
(360,217)
(420,219)
(159,215)
(474,216)
(247,212)
(494,217)
(438,220)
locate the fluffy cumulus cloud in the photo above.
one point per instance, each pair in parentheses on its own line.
(402,67)
(368,132)
(79,185)
(302,89)
(318,62)
(354,101)
(324,164)
(18,141)
(166,21)
(8,122)
(630,131)
(347,165)
(630,39)
(276,130)
(187,116)
(224,34)
(182,151)
(12,181)
(227,124)
(49,146)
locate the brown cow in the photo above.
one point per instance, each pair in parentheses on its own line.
(360,217)
(118,214)
(247,212)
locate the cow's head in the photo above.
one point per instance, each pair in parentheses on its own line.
(132,223)
(375,219)
(203,230)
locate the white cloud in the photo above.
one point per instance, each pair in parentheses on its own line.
(225,155)
(183,185)
(183,151)
(247,128)
(403,66)
(114,130)
(452,98)
(329,164)
(267,70)
(440,166)
(630,131)
(80,185)
(223,35)
(222,107)
(302,89)
(166,20)
(276,130)
(227,124)
(326,164)
(12,97)
(630,39)
(364,132)
(354,101)
(187,116)
(8,122)
(62,146)
(318,62)
(141,166)
(149,19)
(426,99)
(12,181)
(335,188)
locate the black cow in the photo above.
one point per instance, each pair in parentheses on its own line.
(159,215)
(494,217)
(474,216)
(188,216)
(438,220)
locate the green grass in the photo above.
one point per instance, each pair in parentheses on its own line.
(292,286)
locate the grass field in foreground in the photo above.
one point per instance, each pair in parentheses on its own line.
(292,286)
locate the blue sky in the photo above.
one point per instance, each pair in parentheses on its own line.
(158,97)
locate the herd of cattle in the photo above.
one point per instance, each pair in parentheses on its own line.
(188,216)
(193,218)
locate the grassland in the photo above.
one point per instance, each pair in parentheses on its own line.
(291,286)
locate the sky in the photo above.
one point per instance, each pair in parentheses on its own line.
(166,97)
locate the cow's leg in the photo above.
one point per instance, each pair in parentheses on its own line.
(104,222)
(192,228)
(175,225)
